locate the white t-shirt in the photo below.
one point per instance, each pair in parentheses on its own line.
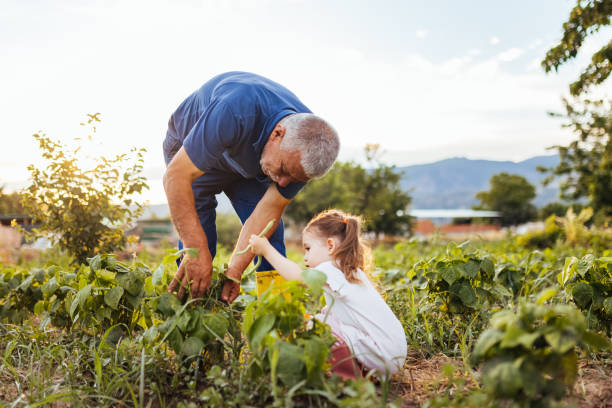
(358,313)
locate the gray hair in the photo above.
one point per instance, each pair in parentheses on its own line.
(316,140)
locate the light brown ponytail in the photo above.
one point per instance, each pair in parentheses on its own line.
(352,253)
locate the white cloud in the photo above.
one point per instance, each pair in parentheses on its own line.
(535,44)
(510,54)
(534,65)
(421,33)
(494,41)
(474,51)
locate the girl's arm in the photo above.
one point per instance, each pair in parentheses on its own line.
(287,269)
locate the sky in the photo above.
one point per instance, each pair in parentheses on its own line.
(425,80)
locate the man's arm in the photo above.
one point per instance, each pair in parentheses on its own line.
(179,175)
(271,206)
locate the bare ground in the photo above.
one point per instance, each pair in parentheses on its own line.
(416,383)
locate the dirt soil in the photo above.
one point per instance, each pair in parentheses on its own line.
(415,384)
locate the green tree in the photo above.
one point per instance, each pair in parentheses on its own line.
(511,195)
(10,203)
(584,19)
(375,194)
(558,209)
(84,212)
(585,165)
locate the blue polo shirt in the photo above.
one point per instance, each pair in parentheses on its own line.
(225,125)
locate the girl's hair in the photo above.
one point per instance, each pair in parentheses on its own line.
(352,253)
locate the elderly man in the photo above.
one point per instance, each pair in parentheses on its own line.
(251,138)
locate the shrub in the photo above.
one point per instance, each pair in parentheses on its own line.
(589,283)
(85,212)
(542,239)
(529,356)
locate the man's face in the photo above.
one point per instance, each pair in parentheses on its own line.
(282,166)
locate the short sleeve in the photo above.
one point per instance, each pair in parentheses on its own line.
(291,189)
(335,278)
(214,131)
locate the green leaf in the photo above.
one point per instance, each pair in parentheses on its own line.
(113,296)
(182,321)
(487,266)
(38,275)
(607,306)
(315,356)
(290,368)
(80,299)
(315,280)
(487,339)
(158,275)
(132,301)
(583,294)
(105,275)
(95,263)
(113,335)
(569,270)
(131,282)
(49,287)
(596,340)
(561,341)
(515,336)
(168,304)
(192,347)
(545,295)
(471,268)
(175,340)
(40,307)
(503,319)
(217,323)
(585,263)
(25,285)
(465,292)
(502,377)
(450,274)
(260,328)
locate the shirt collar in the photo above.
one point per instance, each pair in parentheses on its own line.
(267,129)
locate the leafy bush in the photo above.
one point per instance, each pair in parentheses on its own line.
(20,290)
(285,344)
(542,239)
(589,283)
(84,211)
(529,356)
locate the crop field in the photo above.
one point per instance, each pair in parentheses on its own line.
(487,324)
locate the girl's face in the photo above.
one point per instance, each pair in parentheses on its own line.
(317,249)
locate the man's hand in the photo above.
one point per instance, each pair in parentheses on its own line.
(194,274)
(231,289)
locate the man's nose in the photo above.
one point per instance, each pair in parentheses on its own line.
(283,181)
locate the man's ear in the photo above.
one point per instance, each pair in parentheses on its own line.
(278,131)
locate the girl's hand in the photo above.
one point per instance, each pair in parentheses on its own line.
(258,244)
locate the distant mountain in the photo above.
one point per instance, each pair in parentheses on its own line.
(453,183)
(450,183)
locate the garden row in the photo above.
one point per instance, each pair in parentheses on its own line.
(523,318)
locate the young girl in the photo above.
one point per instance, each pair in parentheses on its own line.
(361,321)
